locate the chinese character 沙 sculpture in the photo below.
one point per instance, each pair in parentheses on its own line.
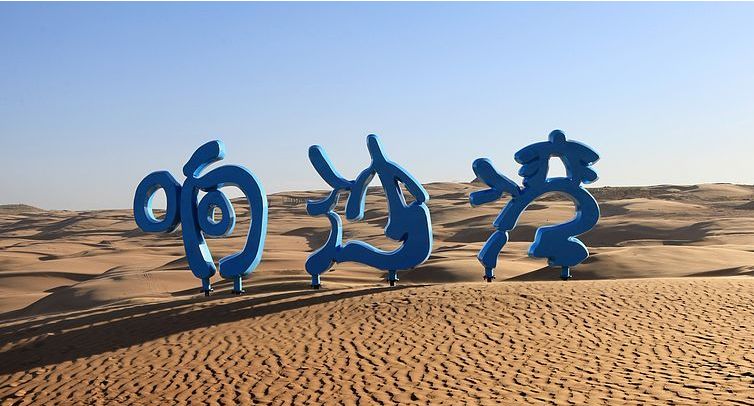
(407,223)
(557,243)
(198,219)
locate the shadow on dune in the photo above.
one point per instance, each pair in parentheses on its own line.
(315,236)
(548,273)
(735,271)
(73,276)
(254,289)
(471,235)
(612,235)
(613,209)
(441,273)
(97,333)
(188,296)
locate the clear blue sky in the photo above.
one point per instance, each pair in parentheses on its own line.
(95,96)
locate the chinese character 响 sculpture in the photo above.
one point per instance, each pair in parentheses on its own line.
(197,216)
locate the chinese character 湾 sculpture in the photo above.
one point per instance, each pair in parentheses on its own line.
(198,219)
(557,243)
(407,223)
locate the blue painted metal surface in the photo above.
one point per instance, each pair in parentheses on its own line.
(407,223)
(557,243)
(198,219)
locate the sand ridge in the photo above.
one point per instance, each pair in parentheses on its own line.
(58,261)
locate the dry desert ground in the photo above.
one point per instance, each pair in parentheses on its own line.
(93,311)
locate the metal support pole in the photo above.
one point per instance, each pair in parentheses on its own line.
(316,284)
(206,287)
(392,277)
(489,274)
(238,286)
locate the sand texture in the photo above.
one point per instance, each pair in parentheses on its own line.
(95,311)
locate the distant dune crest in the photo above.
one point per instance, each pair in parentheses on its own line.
(18,208)
(54,261)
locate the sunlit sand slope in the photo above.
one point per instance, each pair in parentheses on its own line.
(649,341)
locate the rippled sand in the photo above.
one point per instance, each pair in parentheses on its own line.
(647,341)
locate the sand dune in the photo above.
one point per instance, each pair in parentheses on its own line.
(94,310)
(56,261)
(648,341)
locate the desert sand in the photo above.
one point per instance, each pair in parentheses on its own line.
(95,311)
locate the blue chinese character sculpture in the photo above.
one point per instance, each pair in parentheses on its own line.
(198,220)
(407,223)
(557,243)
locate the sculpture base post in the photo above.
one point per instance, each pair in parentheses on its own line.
(237,286)
(489,274)
(316,284)
(565,273)
(392,277)
(206,287)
